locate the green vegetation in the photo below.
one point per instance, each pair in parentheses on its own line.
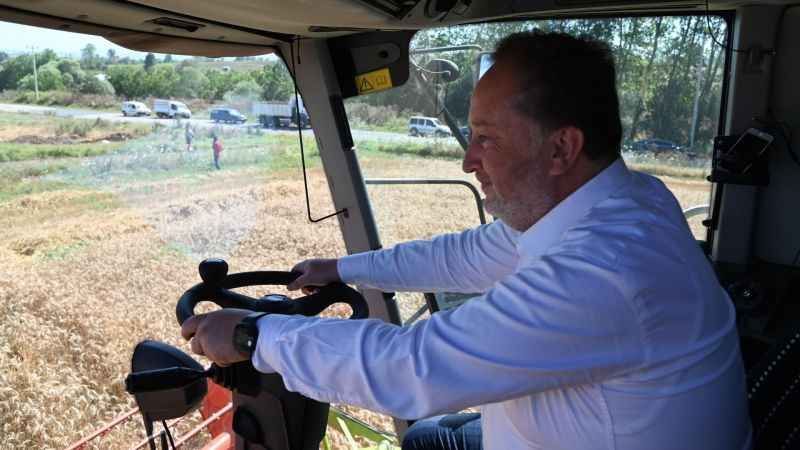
(442,149)
(28,178)
(63,251)
(22,152)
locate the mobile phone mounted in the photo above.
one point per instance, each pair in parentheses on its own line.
(738,159)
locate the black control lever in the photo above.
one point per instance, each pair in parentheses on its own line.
(240,377)
(161,379)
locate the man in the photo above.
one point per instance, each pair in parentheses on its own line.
(216,148)
(601,326)
(189,134)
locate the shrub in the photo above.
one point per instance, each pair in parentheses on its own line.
(363,115)
(94,85)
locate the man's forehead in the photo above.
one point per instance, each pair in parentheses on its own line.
(496,90)
(488,106)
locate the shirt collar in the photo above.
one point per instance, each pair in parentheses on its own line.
(549,229)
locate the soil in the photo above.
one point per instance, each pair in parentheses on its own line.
(70,139)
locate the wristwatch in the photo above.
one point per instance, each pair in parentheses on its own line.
(245,334)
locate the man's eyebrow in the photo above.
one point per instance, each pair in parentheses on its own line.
(480,123)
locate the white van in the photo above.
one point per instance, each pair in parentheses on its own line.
(171,109)
(427,126)
(135,109)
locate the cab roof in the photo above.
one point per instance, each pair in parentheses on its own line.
(253,27)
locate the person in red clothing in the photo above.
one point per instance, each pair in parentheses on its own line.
(217,148)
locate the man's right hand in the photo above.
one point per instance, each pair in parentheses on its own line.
(315,272)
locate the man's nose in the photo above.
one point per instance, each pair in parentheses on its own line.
(471,160)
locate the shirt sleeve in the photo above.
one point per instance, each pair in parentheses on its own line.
(560,322)
(470,261)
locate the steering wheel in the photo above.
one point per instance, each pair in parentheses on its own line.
(217,284)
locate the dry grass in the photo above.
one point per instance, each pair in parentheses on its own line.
(30,128)
(89,273)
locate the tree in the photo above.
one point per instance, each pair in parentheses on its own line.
(149,61)
(94,85)
(243,90)
(16,68)
(219,83)
(89,59)
(644,78)
(111,56)
(128,80)
(71,72)
(190,82)
(161,81)
(167,58)
(275,81)
(49,79)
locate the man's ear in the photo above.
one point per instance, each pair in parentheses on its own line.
(567,144)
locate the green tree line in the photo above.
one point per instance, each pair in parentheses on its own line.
(131,79)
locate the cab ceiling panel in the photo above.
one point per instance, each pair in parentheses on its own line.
(313,18)
(249,27)
(141,28)
(298,17)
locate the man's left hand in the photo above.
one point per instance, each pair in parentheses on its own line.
(212,335)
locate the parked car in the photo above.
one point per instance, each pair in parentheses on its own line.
(655,146)
(227,115)
(171,109)
(135,109)
(427,126)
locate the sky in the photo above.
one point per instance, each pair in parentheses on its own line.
(63,43)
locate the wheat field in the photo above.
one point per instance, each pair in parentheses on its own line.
(90,270)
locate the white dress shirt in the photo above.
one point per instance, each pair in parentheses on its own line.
(602,326)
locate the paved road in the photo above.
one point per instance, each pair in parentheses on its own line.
(358,135)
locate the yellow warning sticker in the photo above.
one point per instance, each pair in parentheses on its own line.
(375,81)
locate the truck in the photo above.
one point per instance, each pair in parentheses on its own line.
(171,109)
(277,114)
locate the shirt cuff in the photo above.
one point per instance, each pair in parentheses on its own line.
(353,268)
(266,357)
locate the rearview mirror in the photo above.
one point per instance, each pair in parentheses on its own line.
(443,71)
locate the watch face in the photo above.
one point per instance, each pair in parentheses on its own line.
(244,339)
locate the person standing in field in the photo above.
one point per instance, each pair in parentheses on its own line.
(216,146)
(189,137)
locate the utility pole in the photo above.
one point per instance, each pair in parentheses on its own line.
(35,74)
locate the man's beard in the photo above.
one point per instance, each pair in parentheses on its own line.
(522,213)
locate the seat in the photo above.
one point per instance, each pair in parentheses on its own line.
(774,395)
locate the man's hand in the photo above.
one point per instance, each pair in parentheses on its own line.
(315,272)
(212,335)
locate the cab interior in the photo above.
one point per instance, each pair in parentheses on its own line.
(747,225)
